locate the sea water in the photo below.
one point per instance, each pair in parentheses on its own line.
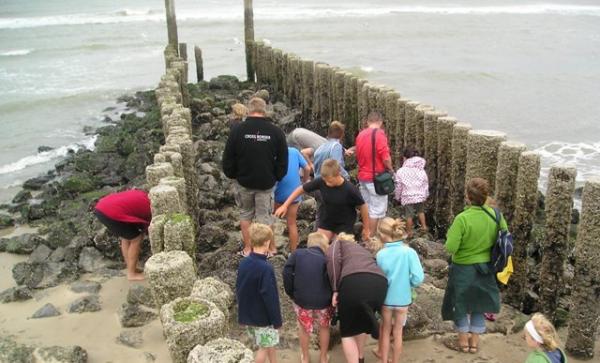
(528,68)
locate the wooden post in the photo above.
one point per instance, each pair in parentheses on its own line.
(183,51)
(171,22)
(249,38)
(199,64)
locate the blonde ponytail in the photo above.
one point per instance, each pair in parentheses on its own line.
(394,229)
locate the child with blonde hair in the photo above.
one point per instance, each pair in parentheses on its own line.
(306,282)
(541,335)
(403,270)
(257,295)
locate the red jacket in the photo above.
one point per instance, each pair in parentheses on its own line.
(131,206)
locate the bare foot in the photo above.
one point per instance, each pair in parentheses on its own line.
(304,359)
(135,277)
(325,359)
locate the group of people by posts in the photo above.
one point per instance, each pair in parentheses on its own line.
(335,277)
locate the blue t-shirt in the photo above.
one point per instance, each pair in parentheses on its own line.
(291,180)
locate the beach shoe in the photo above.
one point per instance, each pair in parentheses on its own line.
(451,342)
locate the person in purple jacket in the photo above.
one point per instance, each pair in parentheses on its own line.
(305,281)
(257,296)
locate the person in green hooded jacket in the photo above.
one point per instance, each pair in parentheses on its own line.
(541,335)
(472,289)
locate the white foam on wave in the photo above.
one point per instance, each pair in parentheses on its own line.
(16,52)
(584,156)
(367,69)
(47,156)
(224,13)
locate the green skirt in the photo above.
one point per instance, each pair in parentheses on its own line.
(471,289)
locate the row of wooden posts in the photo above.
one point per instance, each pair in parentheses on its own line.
(454,153)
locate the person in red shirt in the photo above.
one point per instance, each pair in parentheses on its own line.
(127,214)
(383,161)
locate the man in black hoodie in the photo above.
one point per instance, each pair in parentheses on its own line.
(256,157)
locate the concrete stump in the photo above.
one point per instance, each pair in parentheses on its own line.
(216,291)
(410,124)
(420,126)
(362,100)
(171,23)
(249,39)
(391,119)
(338,96)
(155,172)
(179,234)
(170,275)
(323,95)
(188,322)
(585,309)
(430,154)
(526,202)
(555,245)
(164,199)
(460,134)
(351,108)
(278,81)
(183,51)
(506,177)
(445,126)
(200,64)
(372,96)
(401,125)
(179,184)
(297,81)
(308,89)
(221,350)
(267,63)
(156,233)
(257,58)
(482,155)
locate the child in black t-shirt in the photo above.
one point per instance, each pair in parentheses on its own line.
(340,201)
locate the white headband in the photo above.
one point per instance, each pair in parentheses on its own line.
(533,333)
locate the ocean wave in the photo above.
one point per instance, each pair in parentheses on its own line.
(584,156)
(47,156)
(291,13)
(16,52)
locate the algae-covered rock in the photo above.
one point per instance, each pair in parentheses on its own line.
(28,274)
(225,82)
(13,352)
(214,290)
(6,221)
(56,354)
(188,322)
(133,315)
(179,234)
(90,303)
(17,293)
(79,183)
(221,350)
(22,244)
(170,275)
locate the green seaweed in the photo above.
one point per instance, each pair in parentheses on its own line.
(178,218)
(186,312)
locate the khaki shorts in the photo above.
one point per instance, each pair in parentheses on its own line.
(411,210)
(377,203)
(254,204)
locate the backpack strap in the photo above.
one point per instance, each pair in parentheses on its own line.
(373,151)
(495,218)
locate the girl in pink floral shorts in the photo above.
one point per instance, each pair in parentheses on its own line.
(306,283)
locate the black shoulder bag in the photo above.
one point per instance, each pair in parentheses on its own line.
(383,182)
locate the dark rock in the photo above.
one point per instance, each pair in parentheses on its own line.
(108,272)
(36,183)
(61,233)
(90,287)
(22,244)
(245,95)
(225,82)
(211,237)
(22,196)
(216,111)
(132,316)
(575,216)
(43,148)
(79,183)
(6,221)
(91,259)
(140,295)
(89,130)
(85,304)
(29,274)
(264,94)
(307,209)
(17,293)
(46,311)
(429,249)
(205,118)
(56,354)
(436,268)
(40,254)
(13,352)
(107,243)
(131,338)
(201,105)
(58,255)
(150,358)
(56,273)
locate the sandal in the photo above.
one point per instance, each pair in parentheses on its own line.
(452,343)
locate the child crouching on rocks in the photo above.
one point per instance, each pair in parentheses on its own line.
(541,335)
(257,296)
(306,282)
(403,270)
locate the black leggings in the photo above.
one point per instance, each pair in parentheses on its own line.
(360,296)
(121,229)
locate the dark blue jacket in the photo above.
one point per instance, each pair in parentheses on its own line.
(256,291)
(305,279)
